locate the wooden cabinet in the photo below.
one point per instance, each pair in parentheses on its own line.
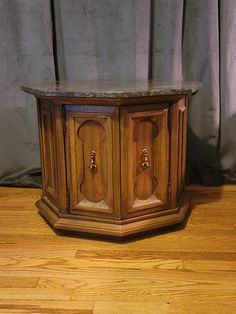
(113,156)
(111,169)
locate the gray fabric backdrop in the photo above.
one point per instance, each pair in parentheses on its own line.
(161,39)
(25,54)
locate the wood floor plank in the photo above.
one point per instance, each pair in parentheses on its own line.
(177,240)
(150,285)
(30,253)
(213,265)
(134,255)
(18,282)
(35,294)
(163,307)
(78,265)
(46,307)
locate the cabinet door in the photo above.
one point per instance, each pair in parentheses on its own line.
(52,153)
(92,136)
(145,159)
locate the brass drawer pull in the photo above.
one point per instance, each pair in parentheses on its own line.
(145,163)
(92,167)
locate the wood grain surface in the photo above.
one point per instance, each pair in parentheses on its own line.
(103,166)
(184,269)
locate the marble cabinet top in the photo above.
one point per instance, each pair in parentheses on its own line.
(110,88)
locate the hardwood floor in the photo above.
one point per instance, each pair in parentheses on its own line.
(188,270)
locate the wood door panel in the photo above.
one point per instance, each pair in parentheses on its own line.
(145,139)
(92,136)
(144,135)
(90,142)
(52,153)
(48,134)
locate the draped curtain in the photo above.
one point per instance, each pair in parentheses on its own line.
(125,39)
(26,54)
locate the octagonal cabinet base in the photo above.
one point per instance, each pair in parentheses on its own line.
(115,228)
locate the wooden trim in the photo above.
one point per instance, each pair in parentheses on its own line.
(117,230)
(177,153)
(112,101)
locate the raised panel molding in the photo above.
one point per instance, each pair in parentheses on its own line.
(145,132)
(92,136)
(50,176)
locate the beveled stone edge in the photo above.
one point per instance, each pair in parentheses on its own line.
(161,91)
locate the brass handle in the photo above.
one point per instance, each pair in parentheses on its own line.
(92,167)
(145,163)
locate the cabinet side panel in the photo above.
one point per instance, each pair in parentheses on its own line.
(52,153)
(184,144)
(178,150)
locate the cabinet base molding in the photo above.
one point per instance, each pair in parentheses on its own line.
(116,228)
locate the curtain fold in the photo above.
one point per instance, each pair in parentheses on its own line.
(102,39)
(25,55)
(201,63)
(166,40)
(227,151)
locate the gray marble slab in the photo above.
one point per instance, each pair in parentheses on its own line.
(110,88)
